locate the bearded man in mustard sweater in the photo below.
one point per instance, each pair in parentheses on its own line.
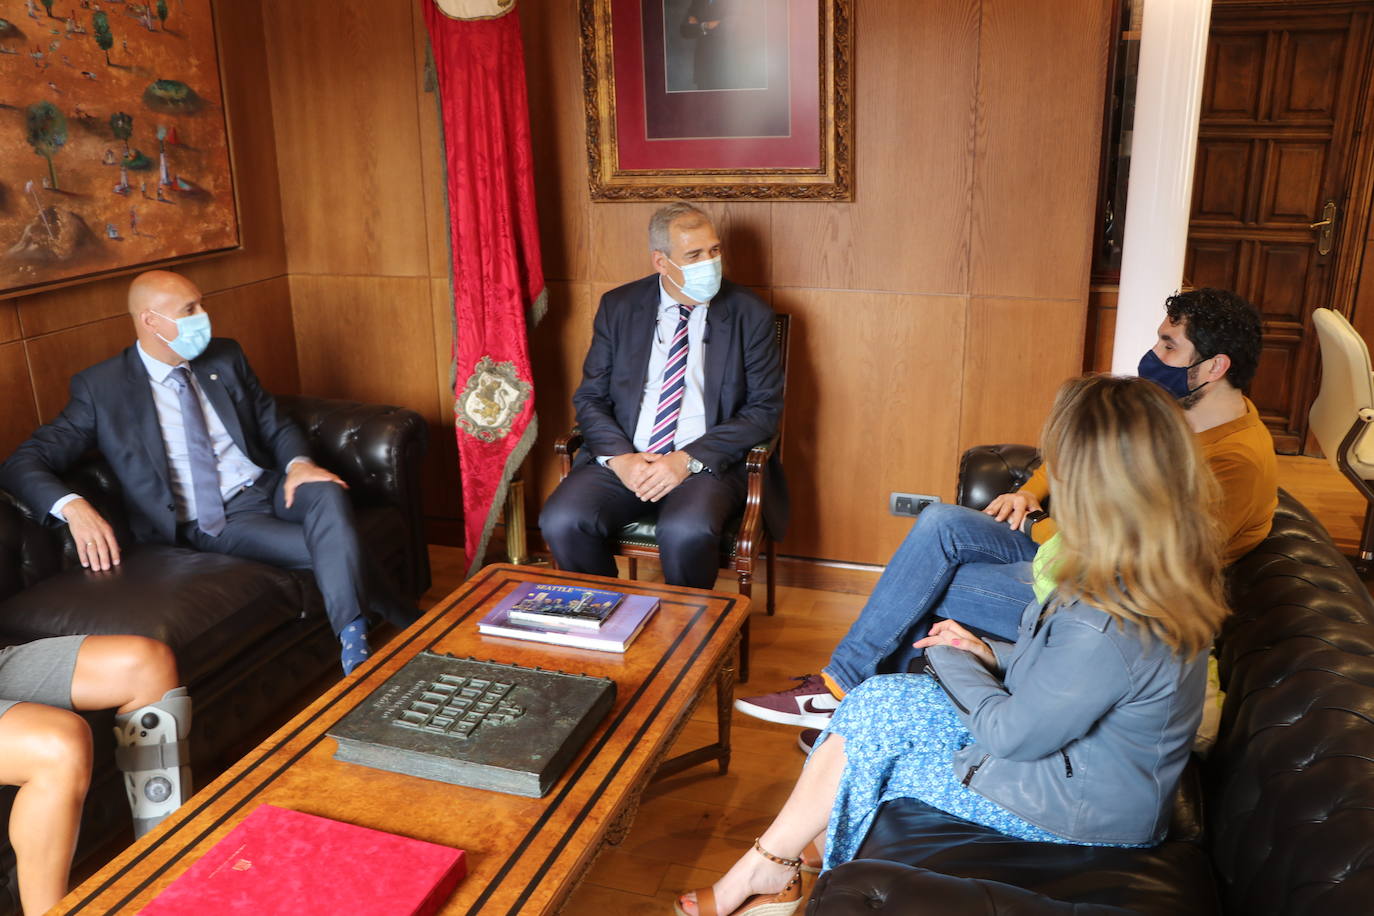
(975,567)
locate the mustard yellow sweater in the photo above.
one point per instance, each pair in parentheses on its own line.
(1241,456)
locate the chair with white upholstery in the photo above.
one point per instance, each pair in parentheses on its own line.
(1342,413)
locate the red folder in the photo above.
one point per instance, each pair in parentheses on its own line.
(281,861)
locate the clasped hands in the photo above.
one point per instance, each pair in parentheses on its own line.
(649,475)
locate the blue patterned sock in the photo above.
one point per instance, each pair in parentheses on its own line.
(353,643)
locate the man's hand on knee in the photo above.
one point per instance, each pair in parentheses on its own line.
(631,468)
(95,539)
(306,472)
(665,473)
(1012,508)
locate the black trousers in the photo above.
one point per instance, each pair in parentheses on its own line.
(317,533)
(591,505)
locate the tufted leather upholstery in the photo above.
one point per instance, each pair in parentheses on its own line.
(249,638)
(1287,793)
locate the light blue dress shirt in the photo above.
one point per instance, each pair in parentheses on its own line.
(691,423)
(235,470)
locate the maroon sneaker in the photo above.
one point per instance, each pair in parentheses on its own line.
(810,704)
(806,739)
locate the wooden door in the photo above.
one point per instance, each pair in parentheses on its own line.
(1281,103)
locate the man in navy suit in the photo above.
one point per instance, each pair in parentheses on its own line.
(683,377)
(205,459)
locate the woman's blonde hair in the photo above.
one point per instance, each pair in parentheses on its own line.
(1136,508)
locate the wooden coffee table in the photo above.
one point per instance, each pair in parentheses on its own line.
(525,855)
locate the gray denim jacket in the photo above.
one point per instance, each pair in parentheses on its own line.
(1087,730)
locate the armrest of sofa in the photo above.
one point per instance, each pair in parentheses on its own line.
(988,471)
(12,523)
(865,886)
(375,448)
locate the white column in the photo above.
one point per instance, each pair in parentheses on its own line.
(1173,56)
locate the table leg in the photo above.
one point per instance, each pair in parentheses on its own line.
(725,707)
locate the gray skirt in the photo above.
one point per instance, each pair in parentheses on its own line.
(39,672)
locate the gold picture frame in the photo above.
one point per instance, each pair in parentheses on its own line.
(787,132)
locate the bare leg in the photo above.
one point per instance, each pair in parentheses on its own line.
(48,756)
(803,816)
(123,672)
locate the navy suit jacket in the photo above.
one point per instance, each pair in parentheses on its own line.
(743,382)
(111,409)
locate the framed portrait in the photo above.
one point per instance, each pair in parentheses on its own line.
(114,149)
(718,99)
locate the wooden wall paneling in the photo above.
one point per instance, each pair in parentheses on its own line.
(443,491)
(557,347)
(907,229)
(244,69)
(866,417)
(367,339)
(258,316)
(9,321)
(619,249)
(1019,352)
(1042,72)
(1362,309)
(432,174)
(20,416)
(55,358)
(1101,329)
(553,69)
(348,145)
(55,310)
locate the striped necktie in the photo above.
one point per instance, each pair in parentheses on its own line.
(674,385)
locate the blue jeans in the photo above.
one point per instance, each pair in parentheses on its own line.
(956,563)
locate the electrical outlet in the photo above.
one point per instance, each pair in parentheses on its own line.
(909,504)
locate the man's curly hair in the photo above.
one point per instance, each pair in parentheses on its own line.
(1219,321)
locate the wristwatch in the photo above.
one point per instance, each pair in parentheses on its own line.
(1031,519)
(694,465)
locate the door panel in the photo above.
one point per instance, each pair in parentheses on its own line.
(1220,180)
(1239,59)
(1293,191)
(1281,98)
(1213,263)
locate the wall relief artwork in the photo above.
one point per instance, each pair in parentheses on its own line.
(113,144)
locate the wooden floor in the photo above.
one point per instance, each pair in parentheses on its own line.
(692,827)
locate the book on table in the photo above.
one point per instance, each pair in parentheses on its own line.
(568,606)
(506,728)
(279,860)
(615,635)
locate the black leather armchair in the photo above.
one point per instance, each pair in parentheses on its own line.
(1278,820)
(249,639)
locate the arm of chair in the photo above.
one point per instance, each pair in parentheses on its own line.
(864,886)
(751,526)
(565,447)
(988,471)
(377,449)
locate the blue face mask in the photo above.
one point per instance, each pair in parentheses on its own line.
(700,281)
(1173,379)
(193,334)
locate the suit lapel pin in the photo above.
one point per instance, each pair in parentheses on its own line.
(214,376)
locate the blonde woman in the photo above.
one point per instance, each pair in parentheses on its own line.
(1077,733)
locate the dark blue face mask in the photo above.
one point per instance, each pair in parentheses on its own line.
(1173,379)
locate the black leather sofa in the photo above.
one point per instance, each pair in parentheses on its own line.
(249,639)
(1279,819)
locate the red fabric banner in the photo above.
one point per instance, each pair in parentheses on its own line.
(498,281)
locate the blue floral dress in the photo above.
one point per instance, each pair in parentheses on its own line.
(901,732)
